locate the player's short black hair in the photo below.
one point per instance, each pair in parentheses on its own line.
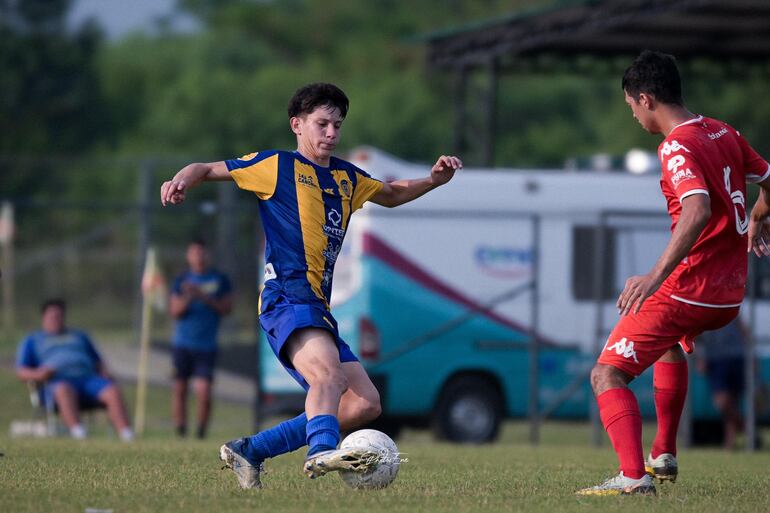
(198,241)
(53,302)
(656,74)
(319,94)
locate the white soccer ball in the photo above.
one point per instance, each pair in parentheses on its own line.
(388,460)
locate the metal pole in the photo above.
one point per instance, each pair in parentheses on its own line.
(490,113)
(260,251)
(8,271)
(461,118)
(750,362)
(685,424)
(597,433)
(144,196)
(534,340)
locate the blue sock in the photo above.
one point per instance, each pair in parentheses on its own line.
(285,437)
(323,433)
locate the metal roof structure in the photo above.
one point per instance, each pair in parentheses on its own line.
(686,28)
(608,32)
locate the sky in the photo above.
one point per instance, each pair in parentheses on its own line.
(119,18)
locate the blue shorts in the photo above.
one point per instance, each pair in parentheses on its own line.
(726,375)
(279,319)
(191,363)
(88,388)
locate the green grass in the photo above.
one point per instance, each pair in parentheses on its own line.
(160,473)
(153,476)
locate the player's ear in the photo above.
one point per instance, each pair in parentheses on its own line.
(647,101)
(295,124)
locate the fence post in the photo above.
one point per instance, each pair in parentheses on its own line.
(534,339)
(8,272)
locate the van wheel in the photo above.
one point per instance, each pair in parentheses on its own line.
(469,410)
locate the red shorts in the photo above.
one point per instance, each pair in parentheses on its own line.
(638,340)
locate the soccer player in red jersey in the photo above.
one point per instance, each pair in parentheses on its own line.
(698,282)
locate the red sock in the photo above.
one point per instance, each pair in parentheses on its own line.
(670,383)
(621,418)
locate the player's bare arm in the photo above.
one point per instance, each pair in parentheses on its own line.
(399,192)
(173,191)
(759,227)
(696,212)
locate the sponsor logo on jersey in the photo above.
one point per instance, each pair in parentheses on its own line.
(334,217)
(622,347)
(306,180)
(333,230)
(331,252)
(270,273)
(671,147)
(717,135)
(681,176)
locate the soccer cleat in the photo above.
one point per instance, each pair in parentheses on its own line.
(663,468)
(622,485)
(246,471)
(355,459)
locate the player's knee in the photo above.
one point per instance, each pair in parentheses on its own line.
(331,379)
(606,377)
(63,391)
(599,378)
(371,409)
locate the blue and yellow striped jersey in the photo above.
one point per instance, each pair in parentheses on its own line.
(305,209)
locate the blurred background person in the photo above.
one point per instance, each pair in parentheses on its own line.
(65,361)
(200,297)
(721,357)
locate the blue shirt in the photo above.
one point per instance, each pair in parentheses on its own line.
(70,353)
(197,328)
(304,209)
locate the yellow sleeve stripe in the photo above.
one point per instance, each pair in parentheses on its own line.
(365,189)
(260,178)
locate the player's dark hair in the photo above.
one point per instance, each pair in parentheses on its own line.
(656,74)
(53,302)
(198,241)
(307,98)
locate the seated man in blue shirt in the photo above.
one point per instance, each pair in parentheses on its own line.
(66,361)
(199,298)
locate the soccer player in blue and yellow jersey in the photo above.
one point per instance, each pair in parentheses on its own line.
(306,198)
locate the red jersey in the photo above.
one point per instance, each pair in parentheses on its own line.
(706,156)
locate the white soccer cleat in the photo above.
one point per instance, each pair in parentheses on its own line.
(355,459)
(246,472)
(622,485)
(663,468)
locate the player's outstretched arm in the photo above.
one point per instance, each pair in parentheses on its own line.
(173,191)
(759,228)
(696,212)
(399,192)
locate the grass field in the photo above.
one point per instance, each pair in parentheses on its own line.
(161,473)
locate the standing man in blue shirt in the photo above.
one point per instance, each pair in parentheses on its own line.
(199,298)
(67,363)
(306,198)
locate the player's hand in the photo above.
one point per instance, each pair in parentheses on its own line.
(759,238)
(636,291)
(444,169)
(173,191)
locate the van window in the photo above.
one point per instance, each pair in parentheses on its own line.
(585,244)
